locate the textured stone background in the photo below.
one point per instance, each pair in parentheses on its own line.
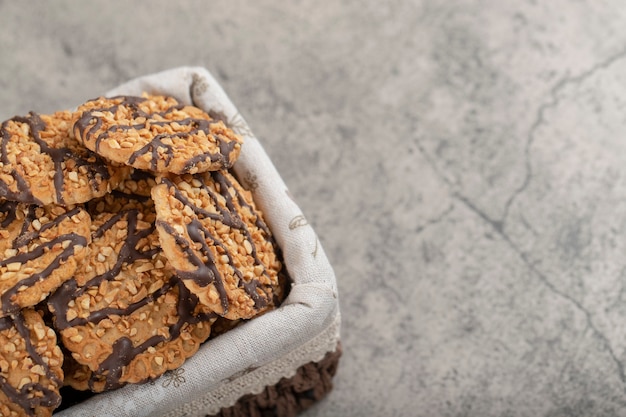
(462,161)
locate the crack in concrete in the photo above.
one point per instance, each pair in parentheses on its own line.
(438,173)
(497,225)
(540,120)
(419,229)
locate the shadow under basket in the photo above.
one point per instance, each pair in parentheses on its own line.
(289,396)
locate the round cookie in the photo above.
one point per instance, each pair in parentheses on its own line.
(216,239)
(135,363)
(30,366)
(156,133)
(40,248)
(125,316)
(147,354)
(41,163)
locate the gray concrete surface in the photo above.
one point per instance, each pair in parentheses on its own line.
(462,161)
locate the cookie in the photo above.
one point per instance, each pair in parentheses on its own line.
(41,163)
(146,358)
(216,239)
(124,315)
(40,248)
(30,366)
(156,133)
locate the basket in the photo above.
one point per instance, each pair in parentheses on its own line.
(289,396)
(276,364)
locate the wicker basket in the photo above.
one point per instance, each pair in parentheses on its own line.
(277,364)
(289,396)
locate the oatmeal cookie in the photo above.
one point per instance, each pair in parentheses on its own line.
(40,248)
(216,239)
(41,163)
(30,366)
(156,133)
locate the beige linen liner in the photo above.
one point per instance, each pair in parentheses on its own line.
(267,348)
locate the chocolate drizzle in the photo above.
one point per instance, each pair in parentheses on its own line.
(111,369)
(89,128)
(8,305)
(24,397)
(124,351)
(24,238)
(23,192)
(95,166)
(8,208)
(206,272)
(59,301)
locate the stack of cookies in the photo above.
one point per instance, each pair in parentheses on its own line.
(124,240)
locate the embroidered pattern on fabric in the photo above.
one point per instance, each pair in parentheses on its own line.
(250,180)
(239,125)
(298,221)
(227,393)
(174,377)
